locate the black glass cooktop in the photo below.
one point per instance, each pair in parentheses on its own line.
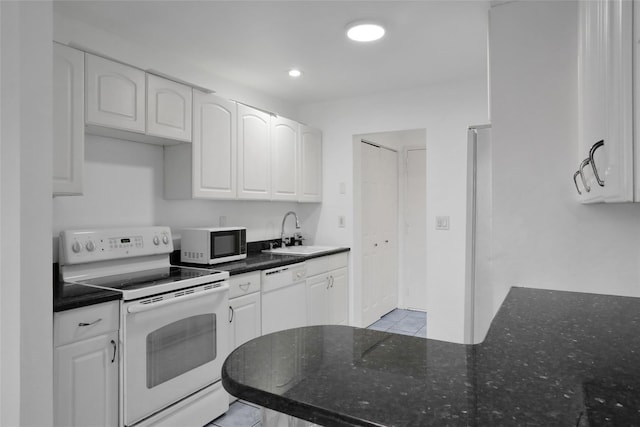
(148,278)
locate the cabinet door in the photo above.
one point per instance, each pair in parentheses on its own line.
(310,170)
(169,107)
(284,159)
(318,300)
(254,154)
(68,120)
(214,147)
(86,382)
(606,99)
(245,319)
(339,297)
(115,94)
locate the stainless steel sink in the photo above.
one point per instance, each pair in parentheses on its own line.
(300,250)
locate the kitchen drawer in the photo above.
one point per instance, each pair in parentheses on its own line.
(326,263)
(98,319)
(244,284)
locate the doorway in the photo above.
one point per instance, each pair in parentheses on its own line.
(379,271)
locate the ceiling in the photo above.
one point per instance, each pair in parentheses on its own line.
(255,43)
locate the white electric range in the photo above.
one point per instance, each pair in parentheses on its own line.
(173,329)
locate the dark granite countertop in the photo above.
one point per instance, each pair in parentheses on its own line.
(264,261)
(550,358)
(67,296)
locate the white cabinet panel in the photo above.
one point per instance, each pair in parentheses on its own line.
(169,107)
(605,102)
(86,366)
(214,147)
(254,154)
(284,159)
(68,120)
(339,297)
(310,169)
(115,94)
(284,308)
(318,300)
(245,319)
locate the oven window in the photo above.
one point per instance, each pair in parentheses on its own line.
(179,347)
(224,244)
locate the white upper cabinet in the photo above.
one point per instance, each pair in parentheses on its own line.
(214,147)
(254,154)
(115,95)
(284,159)
(310,166)
(169,106)
(605,167)
(68,120)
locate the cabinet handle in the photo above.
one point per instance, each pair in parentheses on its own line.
(328,282)
(593,161)
(82,324)
(231,313)
(575,175)
(245,286)
(113,343)
(584,163)
(332,280)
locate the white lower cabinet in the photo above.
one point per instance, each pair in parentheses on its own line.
(86,366)
(328,291)
(245,318)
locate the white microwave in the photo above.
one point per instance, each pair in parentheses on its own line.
(213,245)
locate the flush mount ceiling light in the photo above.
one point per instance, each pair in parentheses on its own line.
(295,73)
(365,31)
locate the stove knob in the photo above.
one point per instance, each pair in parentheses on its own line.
(90,246)
(76,247)
(156,240)
(165,239)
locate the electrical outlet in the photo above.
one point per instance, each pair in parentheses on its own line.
(341,221)
(442,223)
(343,188)
(222,221)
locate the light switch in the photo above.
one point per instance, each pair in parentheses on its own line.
(442,223)
(341,221)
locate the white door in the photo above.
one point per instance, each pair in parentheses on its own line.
(310,181)
(388,243)
(115,94)
(318,300)
(415,230)
(169,109)
(87,382)
(284,159)
(379,192)
(245,319)
(214,153)
(254,154)
(339,297)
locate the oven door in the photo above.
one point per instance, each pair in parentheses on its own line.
(173,347)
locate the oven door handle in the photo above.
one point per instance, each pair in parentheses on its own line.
(140,307)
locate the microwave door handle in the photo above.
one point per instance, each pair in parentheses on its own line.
(140,307)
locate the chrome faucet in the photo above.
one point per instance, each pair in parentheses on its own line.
(283,221)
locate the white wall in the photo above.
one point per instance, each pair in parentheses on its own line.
(445,111)
(26,357)
(543,237)
(123,186)
(85,37)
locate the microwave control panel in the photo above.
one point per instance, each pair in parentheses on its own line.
(93,245)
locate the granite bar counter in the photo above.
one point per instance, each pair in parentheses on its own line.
(549,358)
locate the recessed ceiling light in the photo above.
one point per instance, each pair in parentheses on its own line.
(365,31)
(295,73)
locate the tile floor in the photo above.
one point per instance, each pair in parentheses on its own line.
(405,322)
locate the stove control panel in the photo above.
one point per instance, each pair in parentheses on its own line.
(92,245)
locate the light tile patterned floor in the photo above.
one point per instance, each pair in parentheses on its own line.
(405,322)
